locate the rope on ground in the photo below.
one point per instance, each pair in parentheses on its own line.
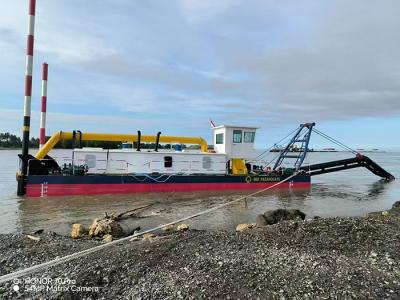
(72,256)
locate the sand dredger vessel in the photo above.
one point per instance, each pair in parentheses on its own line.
(230,164)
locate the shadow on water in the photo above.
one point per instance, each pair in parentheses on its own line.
(373,191)
(376,189)
(347,201)
(59,213)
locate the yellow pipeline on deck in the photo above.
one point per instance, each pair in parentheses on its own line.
(109,137)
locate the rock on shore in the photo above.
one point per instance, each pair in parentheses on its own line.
(275,216)
(321,258)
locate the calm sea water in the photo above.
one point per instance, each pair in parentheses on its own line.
(348,193)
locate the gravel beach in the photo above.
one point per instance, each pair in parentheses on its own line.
(340,258)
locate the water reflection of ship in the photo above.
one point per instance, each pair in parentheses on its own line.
(54,214)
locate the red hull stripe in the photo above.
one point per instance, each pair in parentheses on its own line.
(38,190)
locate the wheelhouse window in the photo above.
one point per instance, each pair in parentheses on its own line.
(237,136)
(219,138)
(249,137)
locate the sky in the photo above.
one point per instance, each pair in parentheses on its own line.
(120,66)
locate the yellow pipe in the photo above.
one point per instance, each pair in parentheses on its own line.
(59,136)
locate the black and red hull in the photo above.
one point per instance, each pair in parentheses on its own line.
(54,185)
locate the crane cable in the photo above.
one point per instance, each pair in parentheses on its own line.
(267,150)
(334,141)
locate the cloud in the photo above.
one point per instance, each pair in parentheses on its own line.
(235,61)
(200,11)
(348,68)
(92,123)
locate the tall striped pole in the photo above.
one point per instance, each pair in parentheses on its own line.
(28,95)
(44,105)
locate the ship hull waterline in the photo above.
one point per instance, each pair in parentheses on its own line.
(54,185)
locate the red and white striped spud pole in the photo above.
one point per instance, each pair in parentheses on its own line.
(28,95)
(44,105)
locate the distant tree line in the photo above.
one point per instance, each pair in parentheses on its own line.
(8,140)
